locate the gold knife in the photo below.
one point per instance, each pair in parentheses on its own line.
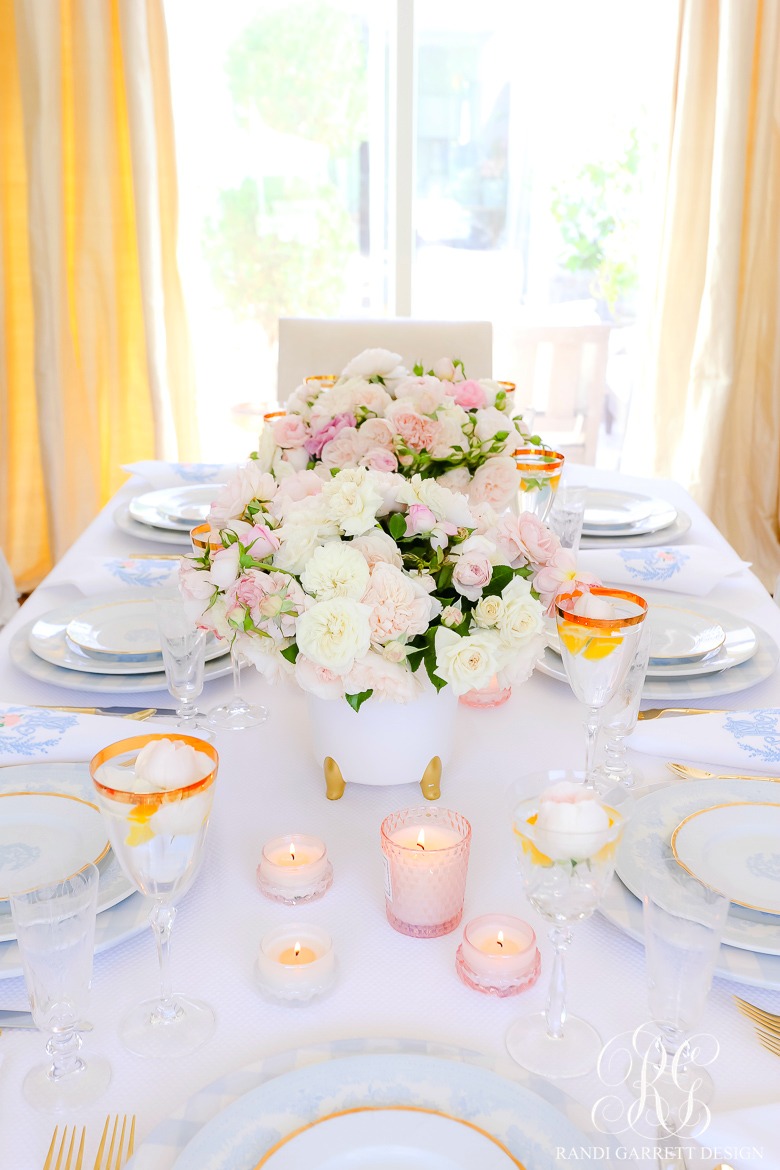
(659,712)
(137,713)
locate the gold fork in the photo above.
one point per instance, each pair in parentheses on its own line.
(114,1162)
(659,712)
(59,1164)
(758,1015)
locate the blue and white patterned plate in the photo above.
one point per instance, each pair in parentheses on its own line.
(121,912)
(645,845)
(529,1126)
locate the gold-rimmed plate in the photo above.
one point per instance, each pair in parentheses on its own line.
(46,837)
(734,848)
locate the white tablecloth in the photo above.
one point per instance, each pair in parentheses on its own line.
(388,985)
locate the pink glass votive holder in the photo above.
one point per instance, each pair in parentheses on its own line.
(294,869)
(426,853)
(493,695)
(498,955)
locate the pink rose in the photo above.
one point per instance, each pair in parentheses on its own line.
(496,482)
(260,541)
(318,680)
(290,431)
(399,607)
(392,681)
(377,432)
(417,432)
(525,538)
(472,573)
(469,395)
(379,459)
(317,441)
(345,450)
(248,591)
(419,520)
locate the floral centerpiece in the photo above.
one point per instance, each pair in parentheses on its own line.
(436,424)
(366,584)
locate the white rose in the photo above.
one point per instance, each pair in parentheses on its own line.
(168,763)
(488,611)
(457,479)
(451,616)
(444,369)
(496,483)
(299,540)
(334,633)
(224,566)
(391,681)
(466,663)
(400,607)
(377,546)
(491,422)
(491,388)
(265,655)
(522,614)
(251,482)
(335,570)
(571,824)
(352,499)
(445,504)
(592,606)
(372,363)
(449,437)
(318,680)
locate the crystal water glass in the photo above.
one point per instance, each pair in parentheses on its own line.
(619,718)
(565,875)
(55,932)
(683,924)
(540,474)
(566,516)
(158,838)
(237,713)
(183,647)
(597,653)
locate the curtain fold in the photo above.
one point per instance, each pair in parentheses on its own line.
(108,377)
(710,416)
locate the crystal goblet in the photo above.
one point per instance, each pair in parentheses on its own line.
(540,474)
(158,838)
(237,713)
(565,871)
(619,718)
(183,647)
(597,648)
(55,931)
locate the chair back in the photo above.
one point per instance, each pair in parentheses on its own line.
(309,345)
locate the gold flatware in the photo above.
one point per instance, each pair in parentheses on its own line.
(769,1041)
(66,1165)
(659,712)
(138,713)
(687,772)
(115,1161)
(155,556)
(764,1019)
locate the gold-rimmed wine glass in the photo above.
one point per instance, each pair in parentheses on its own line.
(540,474)
(598,645)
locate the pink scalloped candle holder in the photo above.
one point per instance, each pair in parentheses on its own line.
(426,854)
(498,955)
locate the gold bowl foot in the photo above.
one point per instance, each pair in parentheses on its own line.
(431,778)
(334,781)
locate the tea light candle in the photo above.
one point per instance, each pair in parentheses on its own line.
(498,955)
(426,860)
(295,963)
(294,869)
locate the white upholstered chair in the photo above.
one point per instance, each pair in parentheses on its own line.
(309,345)
(560,370)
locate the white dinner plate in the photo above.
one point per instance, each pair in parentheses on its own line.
(71,780)
(748,656)
(616,513)
(92,677)
(239,1136)
(120,629)
(680,636)
(668,535)
(646,845)
(46,837)
(390,1138)
(734,847)
(177,537)
(174,509)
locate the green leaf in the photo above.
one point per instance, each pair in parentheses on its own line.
(429,658)
(397,526)
(418,370)
(444,579)
(357,701)
(414,659)
(502,575)
(290,652)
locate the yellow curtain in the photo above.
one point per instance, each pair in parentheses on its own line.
(710,414)
(95,366)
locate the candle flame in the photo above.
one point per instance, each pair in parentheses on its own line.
(297,949)
(500,938)
(292,851)
(421,839)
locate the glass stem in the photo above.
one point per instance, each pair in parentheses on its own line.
(555,1011)
(63,1047)
(591,737)
(235,662)
(614,753)
(162,925)
(188,711)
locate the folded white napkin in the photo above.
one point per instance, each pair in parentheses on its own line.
(748,1138)
(99,575)
(738,739)
(29,734)
(160,474)
(685,568)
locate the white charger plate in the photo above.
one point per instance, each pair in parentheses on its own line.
(174,509)
(85,678)
(241,1134)
(47,837)
(734,848)
(748,656)
(180,538)
(646,845)
(668,535)
(617,513)
(72,780)
(49,641)
(390,1138)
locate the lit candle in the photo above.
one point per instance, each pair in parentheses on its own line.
(426,860)
(498,955)
(295,963)
(294,869)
